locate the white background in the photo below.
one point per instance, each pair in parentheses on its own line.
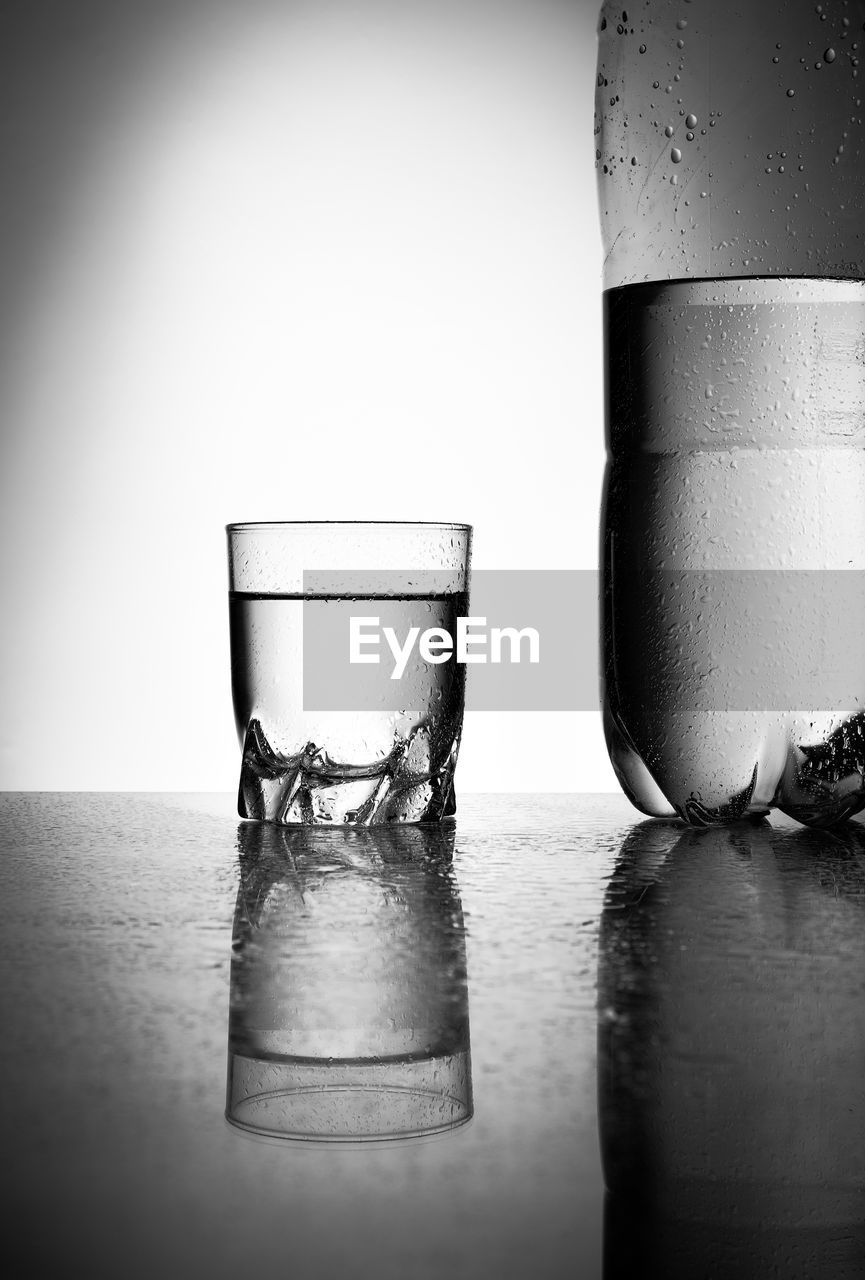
(294,261)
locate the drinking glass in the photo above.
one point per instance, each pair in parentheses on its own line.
(335,735)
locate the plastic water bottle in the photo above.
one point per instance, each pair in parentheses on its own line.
(730,154)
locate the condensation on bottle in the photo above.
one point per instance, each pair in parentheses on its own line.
(731,176)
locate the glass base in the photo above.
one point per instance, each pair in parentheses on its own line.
(309,789)
(348,1101)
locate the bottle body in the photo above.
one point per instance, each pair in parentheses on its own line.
(734,547)
(729,139)
(733,529)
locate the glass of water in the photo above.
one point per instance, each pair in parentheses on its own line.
(348,696)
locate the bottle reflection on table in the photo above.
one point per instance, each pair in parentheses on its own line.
(731,1054)
(348,1013)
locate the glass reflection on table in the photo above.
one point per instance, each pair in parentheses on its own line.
(348,1013)
(731,1053)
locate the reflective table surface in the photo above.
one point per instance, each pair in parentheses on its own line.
(436,1045)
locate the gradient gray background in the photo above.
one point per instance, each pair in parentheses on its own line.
(285,260)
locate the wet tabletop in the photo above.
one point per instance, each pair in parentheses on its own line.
(458,1021)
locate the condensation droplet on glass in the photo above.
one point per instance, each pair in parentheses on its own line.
(790,93)
(681,24)
(829,55)
(691,121)
(668,132)
(689,136)
(642,48)
(675,155)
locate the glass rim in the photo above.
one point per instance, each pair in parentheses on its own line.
(257,525)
